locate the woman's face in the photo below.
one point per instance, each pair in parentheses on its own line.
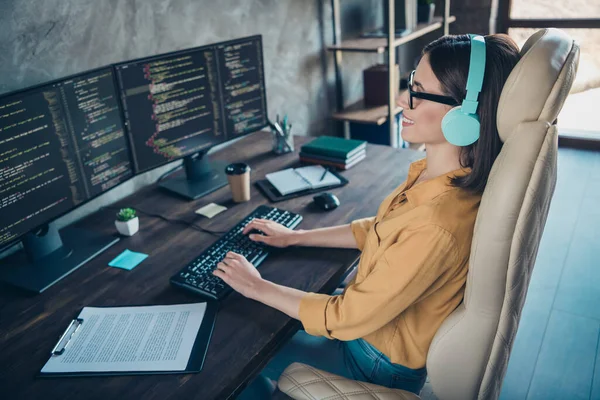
(423,124)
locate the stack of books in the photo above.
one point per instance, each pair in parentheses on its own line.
(334,152)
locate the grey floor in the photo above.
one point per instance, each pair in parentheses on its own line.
(556,353)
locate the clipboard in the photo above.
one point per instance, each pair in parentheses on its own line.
(195,362)
(274,196)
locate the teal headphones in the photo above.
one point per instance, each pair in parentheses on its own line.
(461,124)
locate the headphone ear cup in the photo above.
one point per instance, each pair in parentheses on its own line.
(460,129)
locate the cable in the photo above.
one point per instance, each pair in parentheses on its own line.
(184,222)
(174,220)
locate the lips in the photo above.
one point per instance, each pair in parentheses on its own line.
(406,121)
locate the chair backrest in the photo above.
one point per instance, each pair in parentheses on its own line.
(469,354)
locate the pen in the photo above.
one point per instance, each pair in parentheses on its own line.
(323,176)
(277,129)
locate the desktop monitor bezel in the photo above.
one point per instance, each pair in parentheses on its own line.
(177,53)
(16,240)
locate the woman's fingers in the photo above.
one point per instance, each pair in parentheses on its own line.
(261,238)
(223,266)
(262,225)
(254,224)
(234,256)
(219,273)
(267,229)
(249,227)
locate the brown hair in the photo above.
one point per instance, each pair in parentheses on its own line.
(449,57)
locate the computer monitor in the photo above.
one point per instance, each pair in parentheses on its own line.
(179,105)
(61,144)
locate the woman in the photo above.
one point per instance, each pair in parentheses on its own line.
(415,252)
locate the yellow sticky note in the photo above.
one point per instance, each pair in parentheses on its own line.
(210,210)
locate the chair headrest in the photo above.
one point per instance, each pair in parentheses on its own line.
(540,82)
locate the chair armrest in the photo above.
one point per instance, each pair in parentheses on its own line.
(303,382)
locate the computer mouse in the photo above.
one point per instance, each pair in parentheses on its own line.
(326,201)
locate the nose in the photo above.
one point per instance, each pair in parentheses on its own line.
(402,100)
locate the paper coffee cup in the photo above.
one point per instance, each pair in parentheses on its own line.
(238,175)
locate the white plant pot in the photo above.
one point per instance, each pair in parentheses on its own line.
(128,228)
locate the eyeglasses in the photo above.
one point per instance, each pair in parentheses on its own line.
(426,96)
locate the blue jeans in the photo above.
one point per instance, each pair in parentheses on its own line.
(357,360)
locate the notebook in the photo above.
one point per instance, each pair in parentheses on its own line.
(360,154)
(331,164)
(293,180)
(331,146)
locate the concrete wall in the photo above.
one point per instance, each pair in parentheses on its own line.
(43,40)
(48,39)
(472,16)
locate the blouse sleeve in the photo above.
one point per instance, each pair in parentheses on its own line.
(360,229)
(404,273)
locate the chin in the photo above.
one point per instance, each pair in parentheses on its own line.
(408,136)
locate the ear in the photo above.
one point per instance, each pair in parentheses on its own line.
(460,129)
(451,109)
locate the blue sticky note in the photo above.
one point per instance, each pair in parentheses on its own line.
(128,260)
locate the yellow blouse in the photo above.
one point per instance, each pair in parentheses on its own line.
(412,271)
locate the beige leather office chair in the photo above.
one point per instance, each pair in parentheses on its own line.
(469,354)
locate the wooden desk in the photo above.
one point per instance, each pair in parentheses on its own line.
(246,333)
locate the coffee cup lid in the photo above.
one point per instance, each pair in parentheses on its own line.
(237,169)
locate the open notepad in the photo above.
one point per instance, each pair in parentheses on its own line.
(294,180)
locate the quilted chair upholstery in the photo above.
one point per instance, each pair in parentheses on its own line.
(469,354)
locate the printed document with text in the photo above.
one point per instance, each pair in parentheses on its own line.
(147,338)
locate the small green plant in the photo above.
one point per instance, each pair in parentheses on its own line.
(125,214)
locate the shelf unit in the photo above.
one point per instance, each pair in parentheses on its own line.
(358,111)
(379,45)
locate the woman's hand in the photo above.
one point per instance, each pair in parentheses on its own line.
(243,277)
(275,234)
(239,273)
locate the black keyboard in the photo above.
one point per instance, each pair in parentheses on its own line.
(197,275)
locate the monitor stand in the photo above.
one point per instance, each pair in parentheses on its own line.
(52,256)
(201,177)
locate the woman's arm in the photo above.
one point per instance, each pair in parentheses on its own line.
(283,298)
(422,258)
(336,236)
(243,277)
(279,236)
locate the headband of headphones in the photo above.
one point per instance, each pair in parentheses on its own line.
(476,73)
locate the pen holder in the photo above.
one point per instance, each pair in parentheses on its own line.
(282,144)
